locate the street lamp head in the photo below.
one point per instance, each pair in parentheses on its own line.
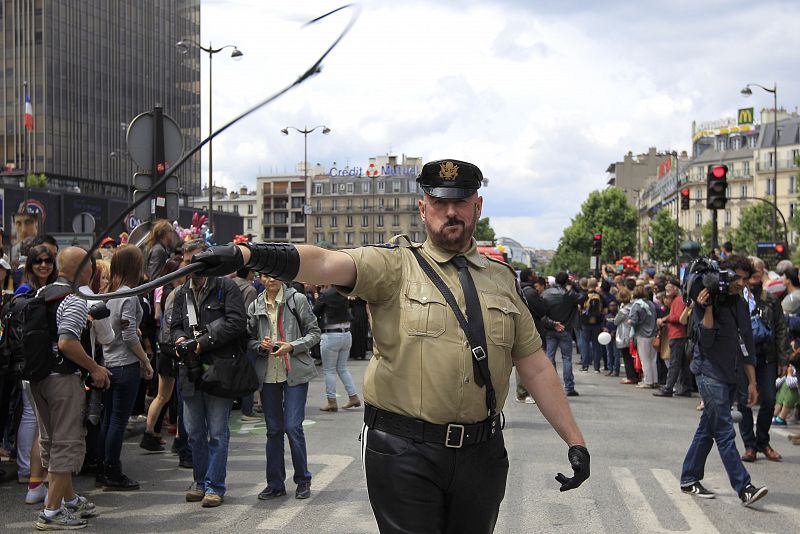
(182,46)
(326,130)
(285,131)
(236,54)
(747,91)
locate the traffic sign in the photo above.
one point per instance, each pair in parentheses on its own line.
(83,223)
(139,140)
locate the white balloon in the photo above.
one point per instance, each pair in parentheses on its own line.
(604,338)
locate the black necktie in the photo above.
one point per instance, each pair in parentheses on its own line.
(474,314)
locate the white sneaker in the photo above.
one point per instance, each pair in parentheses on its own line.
(36,495)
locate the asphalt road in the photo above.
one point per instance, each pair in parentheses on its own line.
(637,443)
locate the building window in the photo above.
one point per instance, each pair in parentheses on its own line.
(698,218)
(746,168)
(319,236)
(281,218)
(249,209)
(342,188)
(396,220)
(721,144)
(333,238)
(379,237)
(770,160)
(319,206)
(333,189)
(297,203)
(349,222)
(415,237)
(349,203)
(793,160)
(396,203)
(381,186)
(792,209)
(365,220)
(334,222)
(396,186)
(751,141)
(380,221)
(317,189)
(333,205)
(793,184)
(382,203)
(348,238)
(267,218)
(365,239)
(770,186)
(318,222)
(742,191)
(727,217)
(249,224)
(236,208)
(350,187)
(736,143)
(365,187)
(365,204)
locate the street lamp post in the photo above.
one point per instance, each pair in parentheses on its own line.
(183,47)
(747,92)
(305,132)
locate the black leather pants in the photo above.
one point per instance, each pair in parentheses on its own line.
(426,488)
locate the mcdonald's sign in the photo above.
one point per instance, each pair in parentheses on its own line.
(746,116)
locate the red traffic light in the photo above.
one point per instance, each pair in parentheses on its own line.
(779,248)
(720,172)
(685,192)
(598,237)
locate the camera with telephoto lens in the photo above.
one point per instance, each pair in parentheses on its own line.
(705,273)
(186,351)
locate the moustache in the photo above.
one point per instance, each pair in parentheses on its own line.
(453,222)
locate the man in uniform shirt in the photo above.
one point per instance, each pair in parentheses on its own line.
(433,447)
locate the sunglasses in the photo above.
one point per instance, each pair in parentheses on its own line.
(39,261)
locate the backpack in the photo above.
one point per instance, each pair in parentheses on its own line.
(29,331)
(592,309)
(761,332)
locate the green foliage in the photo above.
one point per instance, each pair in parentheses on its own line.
(32,180)
(483,231)
(663,228)
(518,265)
(755,224)
(607,212)
(705,238)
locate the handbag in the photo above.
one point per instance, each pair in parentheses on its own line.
(637,361)
(657,341)
(229,378)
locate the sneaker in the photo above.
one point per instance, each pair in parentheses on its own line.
(244,418)
(151,443)
(271,493)
(778,421)
(63,520)
(572,393)
(185,462)
(662,393)
(211,500)
(36,495)
(751,494)
(195,494)
(303,490)
(697,490)
(120,482)
(82,509)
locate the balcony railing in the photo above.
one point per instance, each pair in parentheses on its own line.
(783,164)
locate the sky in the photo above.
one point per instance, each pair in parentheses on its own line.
(541,95)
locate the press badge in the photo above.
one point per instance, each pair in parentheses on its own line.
(745,354)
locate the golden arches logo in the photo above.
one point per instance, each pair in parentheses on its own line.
(746,116)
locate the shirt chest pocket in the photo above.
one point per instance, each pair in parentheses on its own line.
(501,319)
(424,310)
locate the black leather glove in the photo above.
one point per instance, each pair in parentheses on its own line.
(220,260)
(579,460)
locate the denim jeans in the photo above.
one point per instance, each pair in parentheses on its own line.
(716,425)
(583,347)
(594,348)
(118,401)
(563,342)
(335,349)
(766,374)
(613,355)
(284,410)
(182,436)
(206,419)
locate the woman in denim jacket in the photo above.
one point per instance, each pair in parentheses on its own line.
(282,329)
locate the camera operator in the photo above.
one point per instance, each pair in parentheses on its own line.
(220,330)
(724,349)
(771,343)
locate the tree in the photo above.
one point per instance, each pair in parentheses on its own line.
(518,265)
(606,212)
(755,224)
(483,231)
(664,229)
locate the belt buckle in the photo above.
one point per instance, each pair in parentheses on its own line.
(450,428)
(479,353)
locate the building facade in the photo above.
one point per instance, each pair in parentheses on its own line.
(243,203)
(631,173)
(87,69)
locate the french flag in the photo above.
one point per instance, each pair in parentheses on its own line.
(28,114)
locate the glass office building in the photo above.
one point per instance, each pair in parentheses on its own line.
(88,68)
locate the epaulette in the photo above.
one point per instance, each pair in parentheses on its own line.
(504,264)
(397,242)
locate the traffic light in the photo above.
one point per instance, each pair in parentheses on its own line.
(772,252)
(780,251)
(597,245)
(685,199)
(717,186)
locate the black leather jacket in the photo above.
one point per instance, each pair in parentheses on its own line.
(537,307)
(776,349)
(221,312)
(562,304)
(332,307)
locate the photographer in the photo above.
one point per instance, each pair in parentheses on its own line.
(562,303)
(219,333)
(724,349)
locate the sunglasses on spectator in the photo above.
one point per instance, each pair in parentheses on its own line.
(39,261)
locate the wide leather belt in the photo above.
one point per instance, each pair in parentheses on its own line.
(452,435)
(335,330)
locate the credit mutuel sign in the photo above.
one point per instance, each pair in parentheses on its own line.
(372,170)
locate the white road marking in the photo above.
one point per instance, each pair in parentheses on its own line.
(334,464)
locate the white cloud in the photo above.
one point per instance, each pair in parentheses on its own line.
(542,96)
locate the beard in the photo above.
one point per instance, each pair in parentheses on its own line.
(453,236)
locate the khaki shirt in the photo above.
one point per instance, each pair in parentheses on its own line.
(276,367)
(422,364)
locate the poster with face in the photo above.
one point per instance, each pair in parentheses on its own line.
(26,224)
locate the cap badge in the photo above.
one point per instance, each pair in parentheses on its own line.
(448,170)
